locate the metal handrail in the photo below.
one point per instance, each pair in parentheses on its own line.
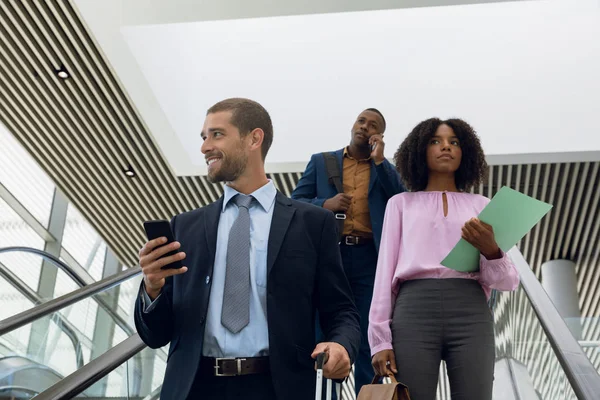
(579,370)
(53,259)
(91,373)
(66,300)
(80,281)
(25,317)
(59,319)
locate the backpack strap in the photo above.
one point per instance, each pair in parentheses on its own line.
(333,171)
(335,179)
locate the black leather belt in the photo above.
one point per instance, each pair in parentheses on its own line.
(355,240)
(234,366)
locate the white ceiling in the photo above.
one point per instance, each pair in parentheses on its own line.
(523,73)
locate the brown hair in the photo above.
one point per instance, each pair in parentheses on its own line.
(247,115)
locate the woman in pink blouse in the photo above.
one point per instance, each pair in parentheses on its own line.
(423,312)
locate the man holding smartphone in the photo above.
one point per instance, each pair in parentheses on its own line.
(355,183)
(257,267)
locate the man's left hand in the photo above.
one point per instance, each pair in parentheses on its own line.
(338,364)
(377,153)
(481,236)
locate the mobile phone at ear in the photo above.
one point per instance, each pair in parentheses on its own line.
(160,228)
(373,146)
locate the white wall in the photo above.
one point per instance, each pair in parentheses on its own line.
(524,74)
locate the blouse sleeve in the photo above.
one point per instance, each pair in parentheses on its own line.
(380,316)
(499,274)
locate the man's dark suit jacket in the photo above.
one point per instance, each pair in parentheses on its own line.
(304,274)
(314,187)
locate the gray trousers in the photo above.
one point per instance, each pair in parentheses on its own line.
(444,319)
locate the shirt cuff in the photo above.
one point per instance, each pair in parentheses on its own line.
(502,262)
(149,305)
(381,347)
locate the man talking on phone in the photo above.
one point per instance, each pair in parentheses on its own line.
(257,268)
(355,183)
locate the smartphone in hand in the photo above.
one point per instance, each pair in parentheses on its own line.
(160,228)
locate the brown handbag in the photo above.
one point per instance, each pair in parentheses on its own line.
(387,391)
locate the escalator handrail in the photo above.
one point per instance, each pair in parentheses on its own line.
(22,389)
(16,321)
(95,370)
(63,324)
(53,259)
(578,368)
(78,279)
(30,365)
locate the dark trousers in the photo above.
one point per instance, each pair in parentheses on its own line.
(247,387)
(360,263)
(444,319)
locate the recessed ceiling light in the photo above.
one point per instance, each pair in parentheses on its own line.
(129,171)
(62,72)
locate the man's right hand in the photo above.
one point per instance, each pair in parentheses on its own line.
(384,363)
(341,202)
(154,276)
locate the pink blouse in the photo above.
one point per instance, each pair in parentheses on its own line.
(416,238)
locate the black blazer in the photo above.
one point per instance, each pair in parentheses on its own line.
(304,275)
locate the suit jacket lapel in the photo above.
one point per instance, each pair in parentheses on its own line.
(282,216)
(211,226)
(372,177)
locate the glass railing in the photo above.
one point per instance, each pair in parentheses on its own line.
(18,373)
(69,278)
(527,365)
(138,378)
(538,356)
(67,339)
(43,341)
(17,264)
(63,334)
(590,340)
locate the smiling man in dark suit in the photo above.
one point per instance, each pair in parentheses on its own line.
(259,266)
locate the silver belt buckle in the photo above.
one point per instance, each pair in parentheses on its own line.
(238,363)
(350,243)
(340,216)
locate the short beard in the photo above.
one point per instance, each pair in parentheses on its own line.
(230,170)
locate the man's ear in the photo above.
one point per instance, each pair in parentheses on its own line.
(256,138)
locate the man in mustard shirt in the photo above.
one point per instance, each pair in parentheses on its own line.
(355,183)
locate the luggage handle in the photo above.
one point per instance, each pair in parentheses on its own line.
(321,361)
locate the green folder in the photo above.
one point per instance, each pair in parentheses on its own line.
(512,214)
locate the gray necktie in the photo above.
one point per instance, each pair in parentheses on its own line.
(236,296)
